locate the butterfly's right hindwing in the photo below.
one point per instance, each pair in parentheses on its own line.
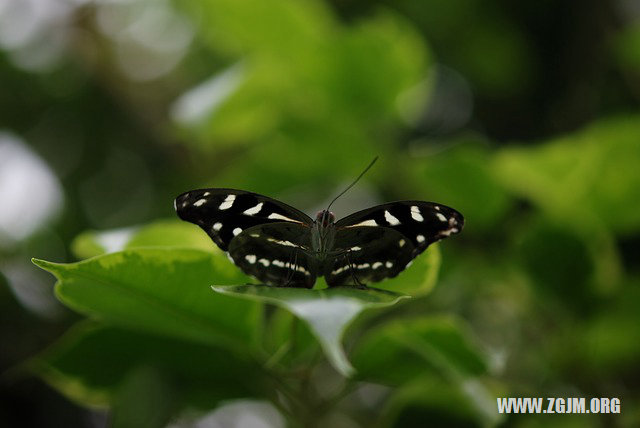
(225,213)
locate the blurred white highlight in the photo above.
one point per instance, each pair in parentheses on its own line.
(237,414)
(30,193)
(202,101)
(115,240)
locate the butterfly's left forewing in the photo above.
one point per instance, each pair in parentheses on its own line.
(225,213)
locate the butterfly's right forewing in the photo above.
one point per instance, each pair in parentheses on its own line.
(225,213)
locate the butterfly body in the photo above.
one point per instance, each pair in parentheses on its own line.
(282,246)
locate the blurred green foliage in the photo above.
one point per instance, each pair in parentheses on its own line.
(523,116)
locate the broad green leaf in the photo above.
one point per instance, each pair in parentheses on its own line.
(397,352)
(93,363)
(328,312)
(159,290)
(160,233)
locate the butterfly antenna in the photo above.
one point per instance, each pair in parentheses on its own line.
(354,182)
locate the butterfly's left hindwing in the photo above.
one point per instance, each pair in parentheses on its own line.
(225,213)
(276,254)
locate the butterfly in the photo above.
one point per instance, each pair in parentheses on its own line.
(282,246)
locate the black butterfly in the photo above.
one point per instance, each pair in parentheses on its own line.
(283,246)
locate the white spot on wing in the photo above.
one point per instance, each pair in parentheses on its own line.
(376,265)
(285,243)
(437,207)
(389,265)
(415,213)
(199,202)
(448,232)
(237,231)
(420,238)
(356,248)
(363,266)
(217,226)
(254,210)
(366,223)
(206,194)
(251,258)
(391,219)
(230,258)
(409,264)
(401,243)
(441,217)
(278,263)
(264,262)
(276,216)
(228,202)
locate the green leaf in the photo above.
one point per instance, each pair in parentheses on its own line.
(160,233)
(328,312)
(441,402)
(159,290)
(441,349)
(587,179)
(587,182)
(145,399)
(397,352)
(98,365)
(332,83)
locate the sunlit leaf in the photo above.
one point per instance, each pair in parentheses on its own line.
(587,182)
(332,84)
(588,178)
(328,312)
(159,290)
(160,233)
